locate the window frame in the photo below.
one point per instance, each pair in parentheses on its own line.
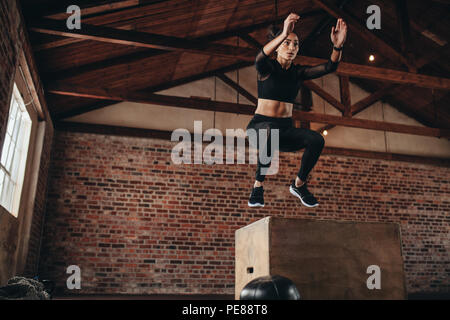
(18,135)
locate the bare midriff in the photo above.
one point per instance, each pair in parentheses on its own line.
(274,108)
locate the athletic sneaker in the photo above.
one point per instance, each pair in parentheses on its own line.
(257,197)
(303,194)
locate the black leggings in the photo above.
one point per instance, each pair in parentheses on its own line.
(290,139)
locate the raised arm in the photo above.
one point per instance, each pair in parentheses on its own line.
(306,72)
(288,27)
(338,36)
(262,63)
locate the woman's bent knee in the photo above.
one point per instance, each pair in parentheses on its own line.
(316,140)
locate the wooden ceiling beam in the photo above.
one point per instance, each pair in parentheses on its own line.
(238,88)
(86,8)
(78,111)
(403,23)
(433,55)
(390,75)
(361,105)
(424,118)
(150,98)
(207,38)
(140,39)
(250,40)
(70,126)
(59,10)
(311,38)
(126,21)
(160,87)
(401,9)
(113,62)
(383,92)
(255,27)
(365,103)
(355,26)
(202,104)
(195,77)
(133,57)
(370,124)
(344,88)
(372,98)
(100,65)
(324,95)
(386,90)
(155,41)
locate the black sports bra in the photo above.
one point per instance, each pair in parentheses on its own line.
(276,83)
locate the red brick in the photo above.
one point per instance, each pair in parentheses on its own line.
(188,228)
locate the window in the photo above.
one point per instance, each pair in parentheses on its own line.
(14,154)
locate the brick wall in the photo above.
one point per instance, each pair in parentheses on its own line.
(9,48)
(137,224)
(14,39)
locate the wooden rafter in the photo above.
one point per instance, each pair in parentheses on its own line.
(147,40)
(356,27)
(403,21)
(306,57)
(90,8)
(324,95)
(141,39)
(405,34)
(372,98)
(250,40)
(393,76)
(201,104)
(58,10)
(310,39)
(238,88)
(160,87)
(75,112)
(166,135)
(137,56)
(433,55)
(365,103)
(134,57)
(128,26)
(92,14)
(195,77)
(100,65)
(344,86)
(386,90)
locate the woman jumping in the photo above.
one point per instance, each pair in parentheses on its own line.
(278,83)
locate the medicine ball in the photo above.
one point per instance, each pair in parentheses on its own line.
(273,287)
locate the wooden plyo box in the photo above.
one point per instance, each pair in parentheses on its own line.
(325,259)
